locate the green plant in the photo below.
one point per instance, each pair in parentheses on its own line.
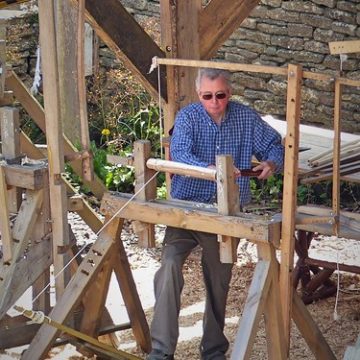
(267,192)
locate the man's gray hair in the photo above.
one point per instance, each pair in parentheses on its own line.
(212,74)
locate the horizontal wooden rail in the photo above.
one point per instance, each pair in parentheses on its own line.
(174,167)
(251,68)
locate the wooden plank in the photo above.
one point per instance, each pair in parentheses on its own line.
(87,271)
(66,43)
(336,157)
(293,104)
(253,309)
(93,306)
(310,331)
(193,218)
(344,47)
(55,146)
(10,147)
(272,310)
(130,43)
(6,238)
(35,110)
(228,204)
(22,230)
(144,189)
(219,20)
(24,273)
(131,298)
(6,3)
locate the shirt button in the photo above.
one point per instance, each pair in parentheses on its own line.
(217,147)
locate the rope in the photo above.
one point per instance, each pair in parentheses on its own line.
(336,315)
(39,317)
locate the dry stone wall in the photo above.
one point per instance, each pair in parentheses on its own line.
(281,32)
(277,33)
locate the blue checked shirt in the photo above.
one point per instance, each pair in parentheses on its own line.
(197,139)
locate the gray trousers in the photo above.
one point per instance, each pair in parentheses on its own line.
(169,282)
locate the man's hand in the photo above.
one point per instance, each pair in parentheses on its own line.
(267,169)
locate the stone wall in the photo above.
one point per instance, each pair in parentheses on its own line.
(281,32)
(277,33)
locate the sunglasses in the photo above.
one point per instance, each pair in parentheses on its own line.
(219,95)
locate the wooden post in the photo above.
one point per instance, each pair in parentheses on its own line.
(336,157)
(5,231)
(142,151)
(290,194)
(87,168)
(10,137)
(66,44)
(228,204)
(58,200)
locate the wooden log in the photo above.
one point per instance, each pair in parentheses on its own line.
(194,218)
(181,169)
(293,104)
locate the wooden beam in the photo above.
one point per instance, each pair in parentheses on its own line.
(131,298)
(219,20)
(87,164)
(145,188)
(293,104)
(191,217)
(25,273)
(23,227)
(228,204)
(344,47)
(6,237)
(310,331)
(129,42)
(253,309)
(55,146)
(87,271)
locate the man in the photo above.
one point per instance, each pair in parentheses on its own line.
(202,130)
